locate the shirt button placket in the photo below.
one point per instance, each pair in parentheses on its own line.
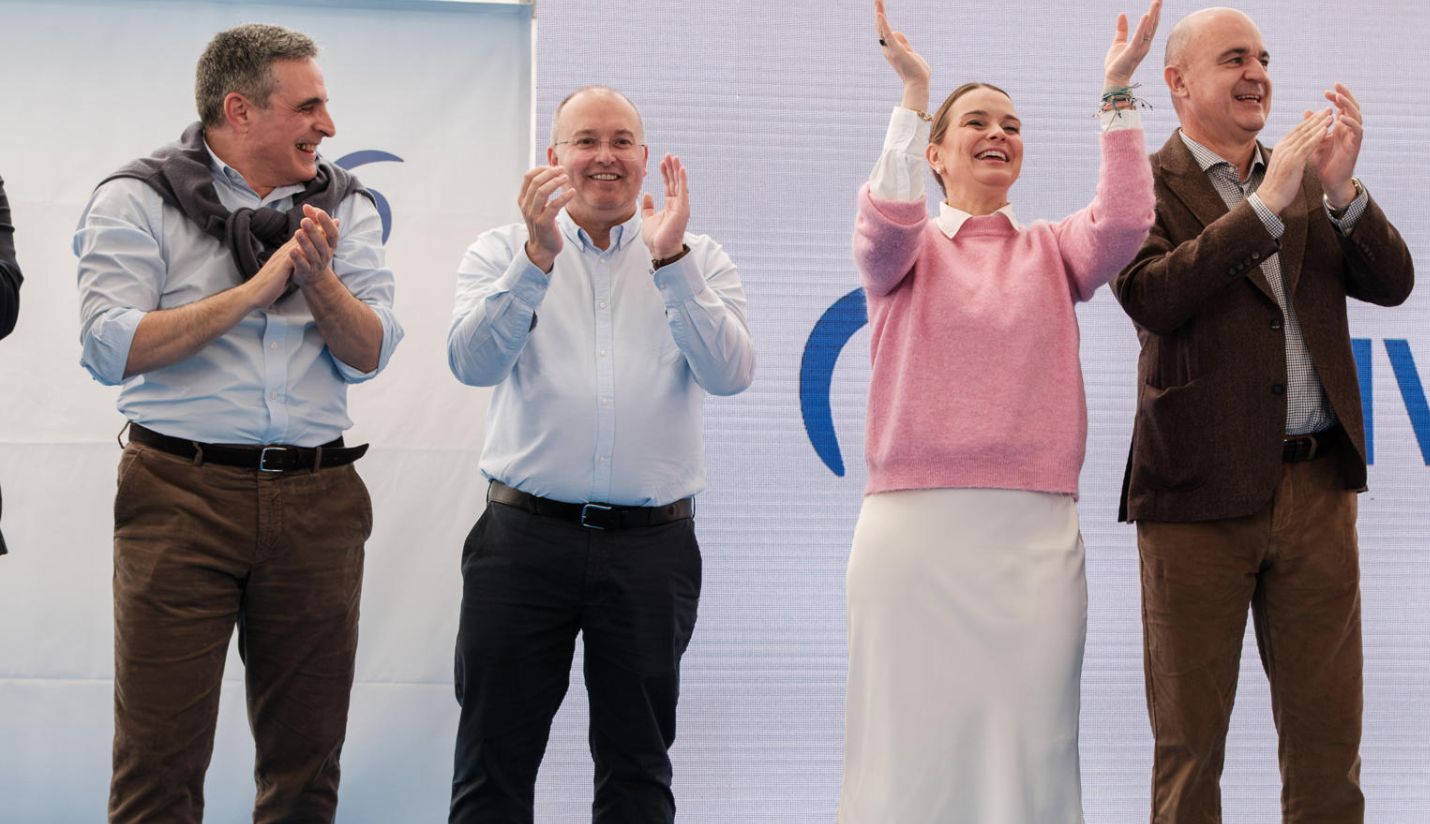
(605,379)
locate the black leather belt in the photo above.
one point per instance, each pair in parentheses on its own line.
(1298,448)
(593,515)
(268,458)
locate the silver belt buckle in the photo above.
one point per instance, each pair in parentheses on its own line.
(587,508)
(263,458)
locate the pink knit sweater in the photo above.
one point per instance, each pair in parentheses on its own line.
(976,378)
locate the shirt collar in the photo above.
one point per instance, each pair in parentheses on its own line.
(235,178)
(1208,159)
(621,235)
(951,219)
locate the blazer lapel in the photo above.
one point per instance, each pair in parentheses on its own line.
(1186,180)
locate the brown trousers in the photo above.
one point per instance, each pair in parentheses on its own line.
(198,550)
(1296,564)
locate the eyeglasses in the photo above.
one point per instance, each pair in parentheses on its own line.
(621,146)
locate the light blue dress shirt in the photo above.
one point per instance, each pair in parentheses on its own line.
(601,367)
(268,380)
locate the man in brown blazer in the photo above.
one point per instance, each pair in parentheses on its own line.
(1249,447)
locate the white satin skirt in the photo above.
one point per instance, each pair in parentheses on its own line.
(967,620)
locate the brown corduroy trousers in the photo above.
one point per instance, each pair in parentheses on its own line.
(198,550)
(1296,564)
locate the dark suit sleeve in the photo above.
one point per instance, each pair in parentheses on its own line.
(1379,268)
(9,270)
(1167,283)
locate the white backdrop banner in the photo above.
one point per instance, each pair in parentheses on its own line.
(432,102)
(778,110)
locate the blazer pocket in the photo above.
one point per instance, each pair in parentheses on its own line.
(1173,435)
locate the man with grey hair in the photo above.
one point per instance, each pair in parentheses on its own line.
(232,285)
(1248,447)
(602,324)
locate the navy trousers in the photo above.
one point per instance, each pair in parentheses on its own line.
(530,585)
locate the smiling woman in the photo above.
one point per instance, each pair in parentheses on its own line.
(966,592)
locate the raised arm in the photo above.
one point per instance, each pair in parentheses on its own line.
(1097,241)
(704,301)
(1166,285)
(892,213)
(499,287)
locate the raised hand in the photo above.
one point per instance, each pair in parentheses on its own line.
(1335,158)
(313,245)
(664,231)
(539,209)
(1288,161)
(912,69)
(1125,54)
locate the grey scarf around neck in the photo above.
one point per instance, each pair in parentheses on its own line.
(182,174)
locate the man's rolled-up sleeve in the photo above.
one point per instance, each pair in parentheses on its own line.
(360,263)
(121,273)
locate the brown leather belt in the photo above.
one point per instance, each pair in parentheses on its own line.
(267,458)
(1298,448)
(592,515)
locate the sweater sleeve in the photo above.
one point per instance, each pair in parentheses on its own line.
(888,236)
(1098,240)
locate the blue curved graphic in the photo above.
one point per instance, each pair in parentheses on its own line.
(816,371)
(352,160)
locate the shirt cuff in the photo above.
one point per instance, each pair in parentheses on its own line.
(526,282)
(899,172)
(907,132)
(1115,119)
(391,335)
(680,281)
(106,347)
(1351,214)
(1269,219)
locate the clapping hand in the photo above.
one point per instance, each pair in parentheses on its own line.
(539,209)
(1335,157)
(664,231)
(313,245)
(1125,55)
(1288,162)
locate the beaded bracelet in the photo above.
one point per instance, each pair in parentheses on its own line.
(1113,99)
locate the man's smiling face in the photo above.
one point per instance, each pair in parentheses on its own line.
(600,135)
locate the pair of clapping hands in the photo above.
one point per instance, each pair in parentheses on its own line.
(300,260)
(545,190)
(1329,143)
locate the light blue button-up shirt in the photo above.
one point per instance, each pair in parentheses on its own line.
(600,368)
(268,380)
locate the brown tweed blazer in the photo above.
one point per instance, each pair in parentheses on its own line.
(1211,405)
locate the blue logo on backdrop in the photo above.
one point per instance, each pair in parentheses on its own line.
(352,160)
(816,371)
(849,314)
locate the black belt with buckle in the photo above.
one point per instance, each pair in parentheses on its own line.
(592,515)
(267,458)
(1298,448)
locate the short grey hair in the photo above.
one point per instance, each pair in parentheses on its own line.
(241,60)
(556,116)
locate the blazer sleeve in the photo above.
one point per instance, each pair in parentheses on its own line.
(1379,266)
(1169,280)
(10,277)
